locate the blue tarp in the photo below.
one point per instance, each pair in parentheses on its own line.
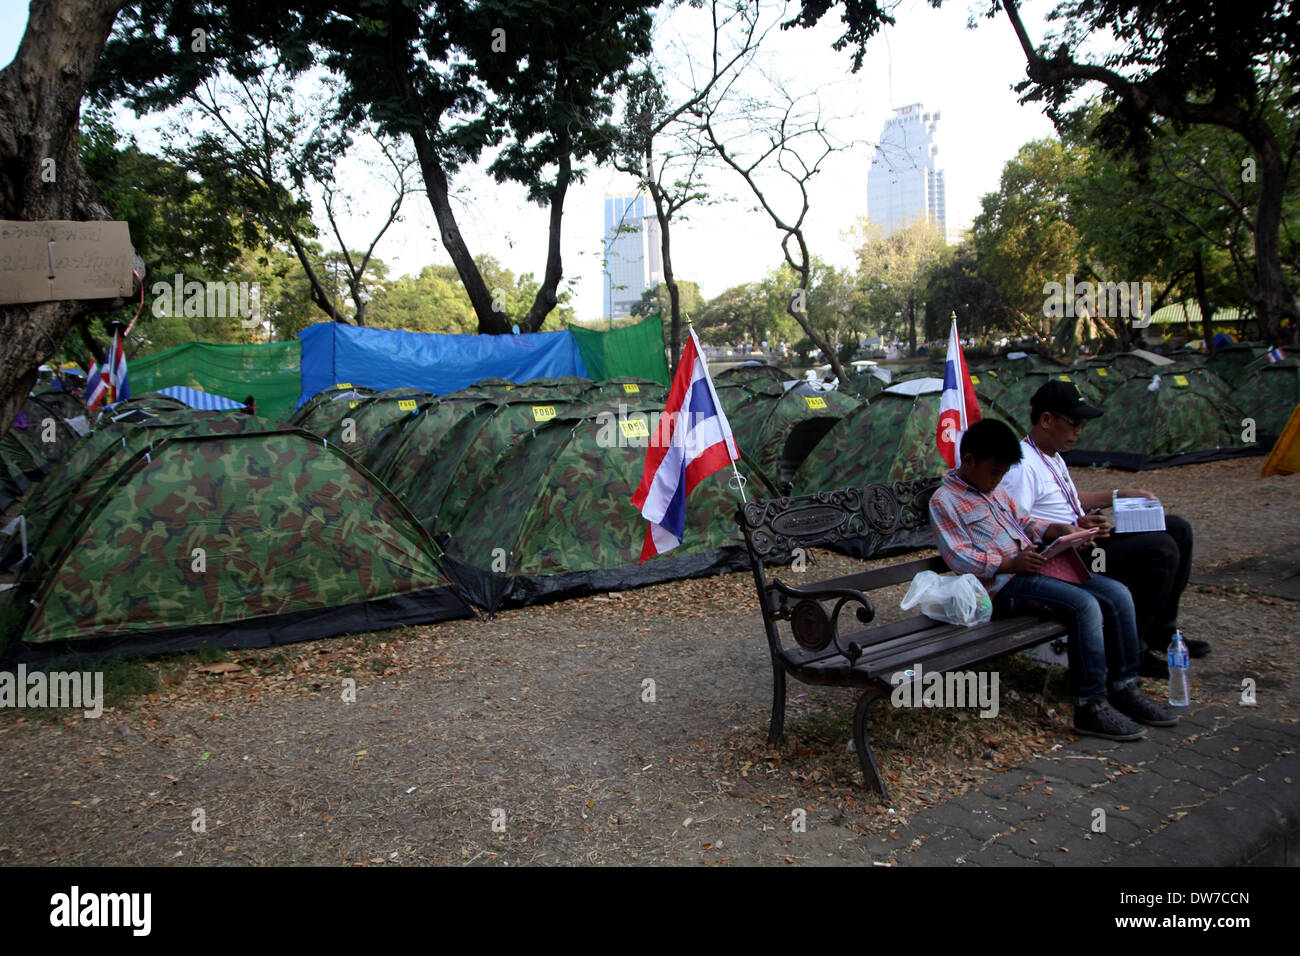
(383,358)
(204,401)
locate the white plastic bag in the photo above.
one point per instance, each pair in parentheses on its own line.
(960,600)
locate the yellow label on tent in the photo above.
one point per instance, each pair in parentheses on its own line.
(509,387)
(1180,380)
(407,404)
(1065,378)
(343,385)
(636,428)
(631,388)
(1103,373)
(815,401)
(975,379)
(543,413)
(353,404)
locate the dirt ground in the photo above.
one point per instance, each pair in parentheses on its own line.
(537,737)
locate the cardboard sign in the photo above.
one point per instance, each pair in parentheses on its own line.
(56,260)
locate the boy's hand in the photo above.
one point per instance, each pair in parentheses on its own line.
(1027,561)
(1099,521)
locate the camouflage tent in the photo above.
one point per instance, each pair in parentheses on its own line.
(1162,418)
(328,406)
(778,431)
(1234,363)
(360,422)
(241,533)
(1016,400)
(1269,396)
(890,440)
(556,519)
(753,374)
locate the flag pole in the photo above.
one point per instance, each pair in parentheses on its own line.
(739,478)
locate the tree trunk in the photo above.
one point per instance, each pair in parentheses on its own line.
(911,324)
(435,187)
(674,296)
(547,296)
(40,111)
(1274,299)
(1203,302)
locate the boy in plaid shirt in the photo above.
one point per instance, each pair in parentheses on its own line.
(983,531)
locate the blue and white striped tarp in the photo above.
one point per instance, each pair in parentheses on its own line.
(205,401)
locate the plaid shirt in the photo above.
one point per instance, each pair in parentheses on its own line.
(974,531)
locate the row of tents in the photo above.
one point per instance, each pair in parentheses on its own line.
(168,527)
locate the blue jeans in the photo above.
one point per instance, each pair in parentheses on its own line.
(1104,649)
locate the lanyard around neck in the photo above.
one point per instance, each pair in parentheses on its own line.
(1071,499)
(997,510)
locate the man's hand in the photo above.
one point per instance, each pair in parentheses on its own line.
(1099,521)
(1134,493)
(1027,561)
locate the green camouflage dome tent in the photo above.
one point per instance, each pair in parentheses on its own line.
(1234,363)
(64,403)
(1162,418)
(556,519)
(248,535)
(777,432)
(1269,396)
(447,452)
(1104,377)
(757,375)
(321,410)
(890,440)
(1015,400)
(357,427)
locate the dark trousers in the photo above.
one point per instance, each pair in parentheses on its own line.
(1154,566)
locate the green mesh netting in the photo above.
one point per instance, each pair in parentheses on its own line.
(267,372)
(634,351)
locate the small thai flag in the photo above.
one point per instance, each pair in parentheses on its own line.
(958,406)
(96,387)
(692,442)
(1276,354)
(115,364)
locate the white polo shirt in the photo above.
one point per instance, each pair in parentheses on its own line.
(1042,484)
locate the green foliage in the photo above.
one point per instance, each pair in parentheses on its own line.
(656,300)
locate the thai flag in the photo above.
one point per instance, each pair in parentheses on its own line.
(692,442)
(1276,355)
(115,365)
(96,387)
(958,406)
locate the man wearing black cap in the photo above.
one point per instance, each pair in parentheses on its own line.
(1154,565)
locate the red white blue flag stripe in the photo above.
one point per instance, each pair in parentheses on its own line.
(1276,354)
(693,441)
(115,367)
(958,406)
(96,388)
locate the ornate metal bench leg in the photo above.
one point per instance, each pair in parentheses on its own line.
(778,704)
(870,772)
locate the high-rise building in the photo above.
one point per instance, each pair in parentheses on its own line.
(904,183)
(633,252)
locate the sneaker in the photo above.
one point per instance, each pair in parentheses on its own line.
(1196,648)
(1131,702)
(1098,718)
(1153,664)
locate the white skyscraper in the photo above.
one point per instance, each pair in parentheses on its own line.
(633,251)
(904,185)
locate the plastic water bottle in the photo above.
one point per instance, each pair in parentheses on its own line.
(1178,659)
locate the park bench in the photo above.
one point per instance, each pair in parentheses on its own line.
(867,657)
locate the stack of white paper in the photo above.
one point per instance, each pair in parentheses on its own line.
(1138,514)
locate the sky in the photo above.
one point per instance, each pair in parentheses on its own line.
(930,57)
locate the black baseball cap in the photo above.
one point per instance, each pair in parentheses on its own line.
(1061,398)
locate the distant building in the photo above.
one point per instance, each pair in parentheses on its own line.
(633,252)
(904,184)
